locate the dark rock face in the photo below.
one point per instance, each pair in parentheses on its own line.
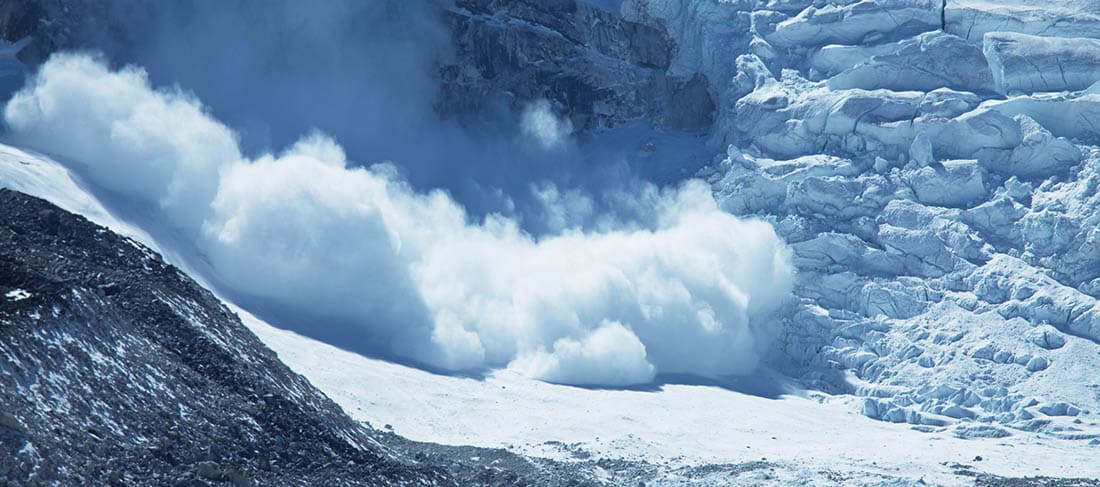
(19,20)
(117,368)
(691,106)
(591,64)
(48,25)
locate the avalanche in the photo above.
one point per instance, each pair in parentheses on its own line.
(357,247)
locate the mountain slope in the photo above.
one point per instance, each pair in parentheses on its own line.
(117,367)
(632,436)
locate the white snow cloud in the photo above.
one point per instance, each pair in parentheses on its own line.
(688,292)
(159,145)
(543,126)
(610,355)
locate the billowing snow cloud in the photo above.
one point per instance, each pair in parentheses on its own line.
(159,145)
(609,355)
(543,126)
(687,292)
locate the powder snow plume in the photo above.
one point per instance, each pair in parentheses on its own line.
(689,292)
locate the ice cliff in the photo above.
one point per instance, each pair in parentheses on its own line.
(936,179)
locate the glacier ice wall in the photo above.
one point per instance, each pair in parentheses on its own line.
(934,172)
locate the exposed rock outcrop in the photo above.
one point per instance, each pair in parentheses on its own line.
(590,64)
(116,367)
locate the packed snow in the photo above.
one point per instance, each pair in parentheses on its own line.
(812,437)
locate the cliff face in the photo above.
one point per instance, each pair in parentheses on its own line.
(48,25)
(587,61)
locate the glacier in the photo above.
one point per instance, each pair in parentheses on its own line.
(936,184)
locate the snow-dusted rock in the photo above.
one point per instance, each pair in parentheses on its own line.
(708,35)
(596,68)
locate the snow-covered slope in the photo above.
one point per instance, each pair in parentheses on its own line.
(750,432)
(116,367)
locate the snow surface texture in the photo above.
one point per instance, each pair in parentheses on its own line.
(812,440)
(945,236)
(689,294)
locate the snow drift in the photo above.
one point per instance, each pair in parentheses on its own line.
(305,228)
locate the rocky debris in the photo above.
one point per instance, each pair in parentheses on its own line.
(985,480)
